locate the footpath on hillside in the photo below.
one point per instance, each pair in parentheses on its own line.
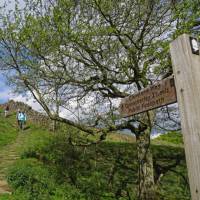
(10,152)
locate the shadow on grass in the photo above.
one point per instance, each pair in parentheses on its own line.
(27,127)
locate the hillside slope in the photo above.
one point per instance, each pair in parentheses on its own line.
(12,142)
(42,165)
(8,149)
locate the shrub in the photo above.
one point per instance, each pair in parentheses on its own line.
(30,177)
(31,180)
(171,137)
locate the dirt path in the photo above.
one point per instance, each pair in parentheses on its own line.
(8,155)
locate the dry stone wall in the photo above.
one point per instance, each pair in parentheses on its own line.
(32,115)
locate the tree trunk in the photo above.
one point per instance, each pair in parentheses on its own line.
(146,187)
(55,123)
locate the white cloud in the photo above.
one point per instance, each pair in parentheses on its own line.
(28,100)
(10,4)
(4,95)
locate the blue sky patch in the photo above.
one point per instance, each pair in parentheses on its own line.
(4,90)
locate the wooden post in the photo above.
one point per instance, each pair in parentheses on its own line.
(186,67)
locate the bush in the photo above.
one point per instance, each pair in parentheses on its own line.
(86,170)
(31,180)
(171,137)
(30,177)
(68,192)
(52,169)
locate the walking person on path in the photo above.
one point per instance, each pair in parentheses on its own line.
(24,117)
(21,119)
(6,111)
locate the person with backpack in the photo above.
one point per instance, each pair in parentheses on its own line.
(24,117)
(21,119)
(6,111)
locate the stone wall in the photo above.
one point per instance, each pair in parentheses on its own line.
(32,115)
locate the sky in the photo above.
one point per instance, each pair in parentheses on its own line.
(6,93)
(4,90)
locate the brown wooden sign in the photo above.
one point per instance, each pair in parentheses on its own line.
(154,96)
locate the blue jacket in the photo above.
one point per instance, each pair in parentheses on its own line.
(21,117)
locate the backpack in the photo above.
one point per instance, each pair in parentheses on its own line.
(21,117)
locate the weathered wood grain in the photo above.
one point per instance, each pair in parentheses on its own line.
(186,67)
(157,95)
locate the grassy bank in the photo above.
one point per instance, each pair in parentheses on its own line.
(52,169)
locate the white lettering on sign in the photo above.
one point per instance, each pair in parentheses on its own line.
(154,96)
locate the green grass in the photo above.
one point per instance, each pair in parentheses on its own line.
(170,139)
(52,169)
(8,131)
(89,168)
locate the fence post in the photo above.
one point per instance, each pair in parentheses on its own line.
(186,67)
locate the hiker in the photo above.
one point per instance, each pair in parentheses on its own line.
(24,117)
(21,119)
(6,111)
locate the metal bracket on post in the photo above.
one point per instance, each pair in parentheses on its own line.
(194,45)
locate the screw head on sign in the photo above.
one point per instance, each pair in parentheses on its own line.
(194,45)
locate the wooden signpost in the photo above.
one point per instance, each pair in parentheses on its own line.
(186,67)
(154,96)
